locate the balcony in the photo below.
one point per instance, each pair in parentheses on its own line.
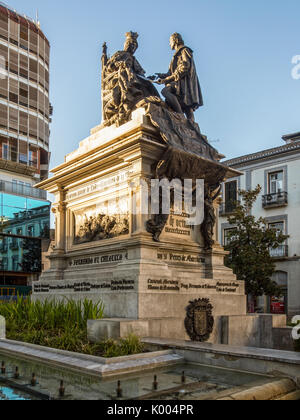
(279,199)
(226,209)
(23,190)
(281,252)
(19,163)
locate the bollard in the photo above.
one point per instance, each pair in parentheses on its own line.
(33,380)
(3,368)
(183,378)
(62,389)
(17,373)
(119,390)
(155,384)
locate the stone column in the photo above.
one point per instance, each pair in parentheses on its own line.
(140,188)
(60,222)
(216,233)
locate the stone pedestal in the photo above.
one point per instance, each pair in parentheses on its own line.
(252,330)
(2,328)
(101,330)
(136,278)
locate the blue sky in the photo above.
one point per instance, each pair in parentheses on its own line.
(243,52)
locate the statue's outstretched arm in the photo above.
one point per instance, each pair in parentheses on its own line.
(163,75)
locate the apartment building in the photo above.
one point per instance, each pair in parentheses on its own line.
(25,117)
(277,172)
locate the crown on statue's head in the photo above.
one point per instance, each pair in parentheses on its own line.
(132,35)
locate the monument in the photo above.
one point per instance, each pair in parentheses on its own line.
(157,273)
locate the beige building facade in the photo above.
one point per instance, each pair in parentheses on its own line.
(277,172)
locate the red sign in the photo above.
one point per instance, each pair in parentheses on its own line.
(278,306)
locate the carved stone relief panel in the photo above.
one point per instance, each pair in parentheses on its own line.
(101,221)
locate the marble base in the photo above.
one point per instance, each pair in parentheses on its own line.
(101,330)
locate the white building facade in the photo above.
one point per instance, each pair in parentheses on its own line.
(277,172)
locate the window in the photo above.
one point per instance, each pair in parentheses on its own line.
(230,196)
(3,26)
(31,230)
(227,239)
(4,264)
(13,117)
(275,182)
(282,250)
(33,156)
(13,149)
(23,150)
(280,305)
(23,123)
(278,226)
(15,263)
(27,189)
(3,244)
(3,116)
(14,186)
(5,151)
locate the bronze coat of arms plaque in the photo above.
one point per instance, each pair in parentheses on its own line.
(199,322)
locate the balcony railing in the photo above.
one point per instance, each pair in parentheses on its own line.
(280,252)
(20,158)
(227,209)
(275,200)
(23,190)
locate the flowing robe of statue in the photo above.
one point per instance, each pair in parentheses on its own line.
(124,86)
(186,84)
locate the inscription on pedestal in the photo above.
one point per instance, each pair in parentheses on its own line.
(164,285)
(183,258)
(104,259)
(177,225)
(122,285)
(101,186)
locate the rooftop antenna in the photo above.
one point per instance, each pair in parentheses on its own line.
(37,18)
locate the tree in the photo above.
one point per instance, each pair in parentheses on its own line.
(32,256)
(249,243)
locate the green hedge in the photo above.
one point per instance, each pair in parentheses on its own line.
(62,325)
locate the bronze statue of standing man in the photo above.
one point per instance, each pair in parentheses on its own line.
(182,91)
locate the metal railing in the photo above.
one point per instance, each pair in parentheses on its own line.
(23,190)
(277,199)
(20,158)
(280,252)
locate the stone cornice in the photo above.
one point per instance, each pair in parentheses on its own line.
(117,154)
(265,154)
